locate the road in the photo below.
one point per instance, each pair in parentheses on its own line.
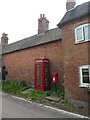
(17,108)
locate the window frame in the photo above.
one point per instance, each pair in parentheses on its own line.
(81,76)
(83,34)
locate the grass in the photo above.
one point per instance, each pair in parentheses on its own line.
(57,93)
(35,95)
(14,87)
(17,87)
(0,85)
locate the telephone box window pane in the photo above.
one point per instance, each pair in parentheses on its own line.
(46,75)
(38,74)
(85,75)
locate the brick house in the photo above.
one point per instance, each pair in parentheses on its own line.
(19,57)
(75,27)
(67,48)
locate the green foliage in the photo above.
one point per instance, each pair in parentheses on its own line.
(0,85)
(17,83)
(48,92)
(14,86)
(88,90)
(36,95)
(58,93)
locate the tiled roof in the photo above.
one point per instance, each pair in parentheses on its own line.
(49,36)
(79,11)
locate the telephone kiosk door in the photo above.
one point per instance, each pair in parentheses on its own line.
(42,74)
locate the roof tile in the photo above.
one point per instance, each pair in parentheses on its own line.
(48,36)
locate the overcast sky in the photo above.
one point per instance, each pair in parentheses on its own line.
(19,18)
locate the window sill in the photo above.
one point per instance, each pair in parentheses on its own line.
(81,42)
(84,86)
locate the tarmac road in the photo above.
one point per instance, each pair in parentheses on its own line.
(13,107)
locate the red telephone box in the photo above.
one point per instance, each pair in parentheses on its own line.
(42,74)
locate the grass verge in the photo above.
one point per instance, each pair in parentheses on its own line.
(17,87)
(14,87)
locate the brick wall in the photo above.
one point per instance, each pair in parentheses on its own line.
(75,55)
(20,64)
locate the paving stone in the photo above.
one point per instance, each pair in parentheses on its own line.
(28,90)
(56,99)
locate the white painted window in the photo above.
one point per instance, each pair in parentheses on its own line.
(82,33)
(84,76)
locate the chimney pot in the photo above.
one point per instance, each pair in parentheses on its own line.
(70,4)
(43,15)
(43,24)
(3,35)
(4,39)
(40,15)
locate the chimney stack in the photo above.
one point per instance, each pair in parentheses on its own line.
(70,4)
(4,39)
(43,24)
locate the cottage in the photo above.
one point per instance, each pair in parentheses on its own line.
(19,57)
(66,46)
(75,27)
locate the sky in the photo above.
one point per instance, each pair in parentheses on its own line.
(19,18)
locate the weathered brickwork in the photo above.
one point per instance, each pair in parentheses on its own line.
(65,55)
(20,64)
(75,55)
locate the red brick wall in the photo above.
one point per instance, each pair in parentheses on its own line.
(75,55)
(21,63)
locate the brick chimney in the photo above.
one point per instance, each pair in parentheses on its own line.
(70,4)
(4,39)
(43,24)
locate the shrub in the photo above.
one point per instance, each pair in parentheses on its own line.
(36,95)
(58,93)
(13,86)
(88,90)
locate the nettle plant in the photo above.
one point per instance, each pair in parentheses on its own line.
(88,89)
